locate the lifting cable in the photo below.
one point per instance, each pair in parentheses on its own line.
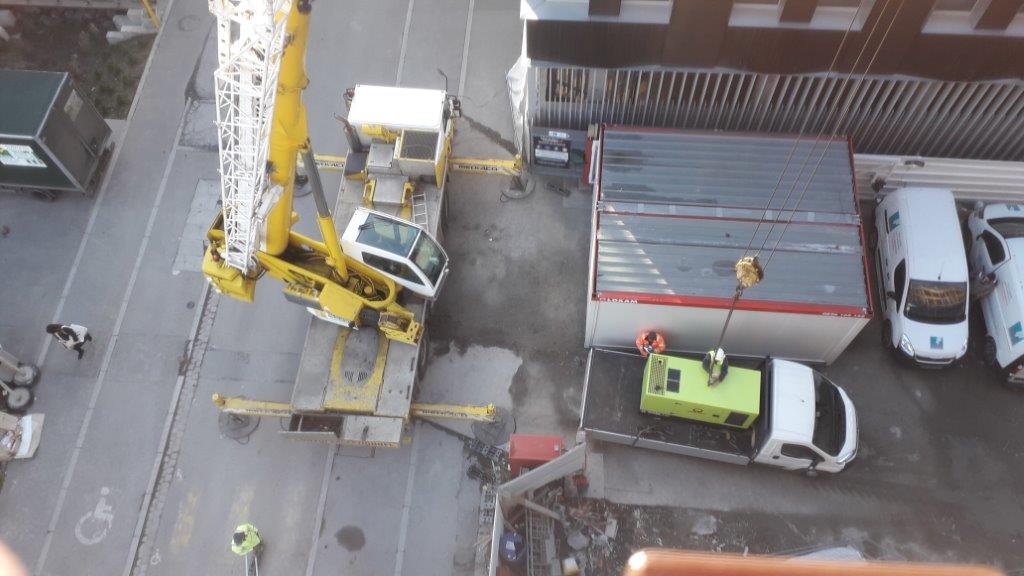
(824,150)
(748,269)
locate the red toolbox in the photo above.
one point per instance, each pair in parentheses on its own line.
(528,451)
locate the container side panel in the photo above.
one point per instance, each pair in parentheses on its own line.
(805,337)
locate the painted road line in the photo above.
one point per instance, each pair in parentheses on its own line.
(465,49)
(321,505)
(405,38)
(403,527)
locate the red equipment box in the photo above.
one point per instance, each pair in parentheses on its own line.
(528,451)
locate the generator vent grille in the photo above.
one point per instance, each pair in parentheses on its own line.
(658,376)
(418,145)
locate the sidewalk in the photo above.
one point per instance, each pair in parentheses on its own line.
(73,508)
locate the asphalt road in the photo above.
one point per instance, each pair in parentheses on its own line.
(938,476)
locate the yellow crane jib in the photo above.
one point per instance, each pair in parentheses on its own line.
(253,234)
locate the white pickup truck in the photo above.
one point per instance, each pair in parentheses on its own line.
(806,422)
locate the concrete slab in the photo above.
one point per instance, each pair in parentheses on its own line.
(200,126)
(205,207)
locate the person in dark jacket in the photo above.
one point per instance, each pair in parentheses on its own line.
(71,336)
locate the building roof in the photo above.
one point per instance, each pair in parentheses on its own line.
(677,209)
(25,98)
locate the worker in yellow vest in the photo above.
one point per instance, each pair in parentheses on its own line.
(245,539)
(716,365)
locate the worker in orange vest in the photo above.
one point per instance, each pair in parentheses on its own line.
(650,342)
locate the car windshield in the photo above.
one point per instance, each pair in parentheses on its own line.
(1008,227)
(429,258)
(388,234)
(936,302)
(829,416)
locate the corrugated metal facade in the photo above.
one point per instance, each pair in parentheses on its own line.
(674,212)
(882,115)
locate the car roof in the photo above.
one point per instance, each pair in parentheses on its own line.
(1003,211)
(938,251)
(792,400)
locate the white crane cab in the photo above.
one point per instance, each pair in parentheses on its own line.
(997,250)
(400,249)
(922,276)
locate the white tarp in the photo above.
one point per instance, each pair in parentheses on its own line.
(516,80)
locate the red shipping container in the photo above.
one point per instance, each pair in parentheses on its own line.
(528,451)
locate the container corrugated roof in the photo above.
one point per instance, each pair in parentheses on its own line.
(677,209)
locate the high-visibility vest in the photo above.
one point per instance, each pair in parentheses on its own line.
(251,541)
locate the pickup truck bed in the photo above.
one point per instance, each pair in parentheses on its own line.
(611,412)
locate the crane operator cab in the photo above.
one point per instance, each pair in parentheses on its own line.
(398,248)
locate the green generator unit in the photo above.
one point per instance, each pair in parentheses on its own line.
(679,387)
(52,139)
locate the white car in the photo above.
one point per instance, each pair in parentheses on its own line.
(997,252)
(922,276)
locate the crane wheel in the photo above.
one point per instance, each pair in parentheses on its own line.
(19,399)
(27,375)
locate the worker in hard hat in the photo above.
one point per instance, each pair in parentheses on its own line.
(245,539)
(650,342)
(716,365)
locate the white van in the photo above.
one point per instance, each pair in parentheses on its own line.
(997,248)
(922,275)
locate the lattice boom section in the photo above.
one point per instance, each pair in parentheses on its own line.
(250,36)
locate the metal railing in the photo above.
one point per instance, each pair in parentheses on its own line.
(985,180)
(886,115)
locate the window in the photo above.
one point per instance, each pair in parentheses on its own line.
(630,11)
(428,257)
(829,416)
(994,247)
(391,267)
(1008,228)
(936,302)
(899,281)
(954,4)
(973,17)
(828,15)
(387,234)
(673,380)
(801,452)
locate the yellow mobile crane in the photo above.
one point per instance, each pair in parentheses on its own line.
(263,131)
(352,387)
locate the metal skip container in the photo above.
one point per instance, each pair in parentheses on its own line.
(52,139)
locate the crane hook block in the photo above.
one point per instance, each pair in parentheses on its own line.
(748,272)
